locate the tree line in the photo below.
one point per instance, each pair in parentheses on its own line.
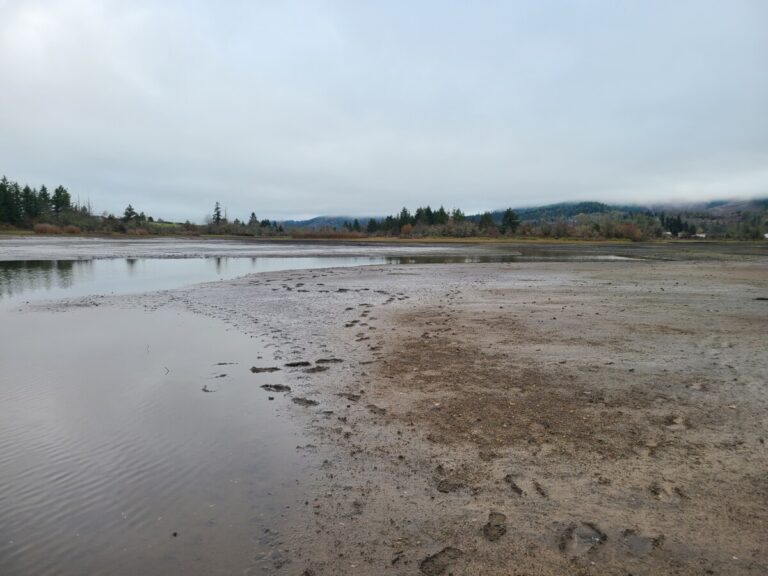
(427,221)
(51,212)
(21,206)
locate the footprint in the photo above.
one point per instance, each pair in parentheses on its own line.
(437,563)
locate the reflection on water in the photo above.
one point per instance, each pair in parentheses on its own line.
(18,277)
(26,279)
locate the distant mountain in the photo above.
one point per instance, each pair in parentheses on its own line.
(321,222)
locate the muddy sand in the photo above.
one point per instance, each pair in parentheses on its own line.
(526,418)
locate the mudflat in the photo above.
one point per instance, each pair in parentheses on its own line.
(522,418)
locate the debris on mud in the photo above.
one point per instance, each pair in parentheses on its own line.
(298,364)
(329,361)
(257,370)
(276,387)
(304,401)
(315,369)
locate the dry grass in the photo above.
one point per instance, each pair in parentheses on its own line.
(327,235)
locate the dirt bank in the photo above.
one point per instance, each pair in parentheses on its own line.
(526,418)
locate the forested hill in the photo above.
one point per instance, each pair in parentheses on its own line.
(568,210)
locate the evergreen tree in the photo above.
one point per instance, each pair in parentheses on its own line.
(61,200)
(373,226)
(43,201)
(405,218)
(441,217)
(130,214)
(356,225)
(216,220)
(509,221)
(486,221)
(29,202)
(457,215)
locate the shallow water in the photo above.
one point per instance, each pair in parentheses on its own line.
(21,281)
(51,268)
(108,445)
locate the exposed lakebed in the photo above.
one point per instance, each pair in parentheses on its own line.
(135,436)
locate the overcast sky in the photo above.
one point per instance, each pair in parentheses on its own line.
(358,108)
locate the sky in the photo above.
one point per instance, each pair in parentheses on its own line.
(292,109)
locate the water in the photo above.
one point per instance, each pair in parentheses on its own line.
(108,445)
(51,268)
(21,280)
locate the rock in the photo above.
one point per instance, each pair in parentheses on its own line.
(437,563)
(496,526)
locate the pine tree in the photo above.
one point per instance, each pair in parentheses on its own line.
(216,214)
(486,221)
(61,200)
(43,201)
(510,221)
(129,214)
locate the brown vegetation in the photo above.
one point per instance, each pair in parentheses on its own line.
(47,229)
(326,235)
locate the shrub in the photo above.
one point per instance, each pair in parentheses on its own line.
(47,229)
(71,229)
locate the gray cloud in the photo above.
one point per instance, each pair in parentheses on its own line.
(300,108)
